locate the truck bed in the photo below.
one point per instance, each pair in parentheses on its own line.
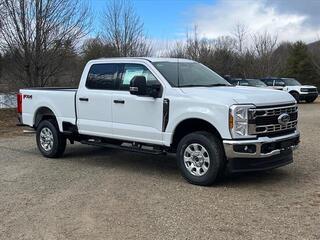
(52,89)
(61,101)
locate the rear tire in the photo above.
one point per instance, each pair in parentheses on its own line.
(200,158)
(296,96)
(51,143)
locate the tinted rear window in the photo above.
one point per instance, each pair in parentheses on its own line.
(102,76)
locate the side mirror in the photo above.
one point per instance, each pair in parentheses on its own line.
(155,90)
(138,86)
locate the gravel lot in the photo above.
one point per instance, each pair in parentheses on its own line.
(95,193)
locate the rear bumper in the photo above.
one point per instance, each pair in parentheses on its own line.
(261,153)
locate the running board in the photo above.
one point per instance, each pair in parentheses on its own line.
(131,148)
(29,131)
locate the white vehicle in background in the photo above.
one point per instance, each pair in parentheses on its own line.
(164,105)
(299,92)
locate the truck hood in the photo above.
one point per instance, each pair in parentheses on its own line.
(240,95)
(307,86)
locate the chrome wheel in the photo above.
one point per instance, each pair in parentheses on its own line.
(196,159)
(46,139)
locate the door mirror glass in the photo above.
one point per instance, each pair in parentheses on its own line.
(154,90)
(138,86)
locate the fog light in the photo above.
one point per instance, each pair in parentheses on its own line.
(245,148)
(268,147)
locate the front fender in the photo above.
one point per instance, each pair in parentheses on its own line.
(217,116)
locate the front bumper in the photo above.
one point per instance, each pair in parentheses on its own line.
(261,153)
(261,146)
(308,95)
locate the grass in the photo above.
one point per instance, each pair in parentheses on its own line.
(8,121)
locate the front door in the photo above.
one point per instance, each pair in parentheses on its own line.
(279,84)
(137,118)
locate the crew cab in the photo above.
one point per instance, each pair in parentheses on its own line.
(165,105)
(292,86)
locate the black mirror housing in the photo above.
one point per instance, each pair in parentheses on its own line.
(138,86)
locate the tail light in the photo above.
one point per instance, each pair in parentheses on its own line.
(19,103)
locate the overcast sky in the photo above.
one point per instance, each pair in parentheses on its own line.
(290,20)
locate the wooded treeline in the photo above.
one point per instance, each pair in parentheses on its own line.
(47,43)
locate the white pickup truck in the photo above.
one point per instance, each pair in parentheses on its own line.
(300,92)
(164,105)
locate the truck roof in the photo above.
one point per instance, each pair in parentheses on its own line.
(150,59)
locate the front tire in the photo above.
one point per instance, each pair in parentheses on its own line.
(51,143)
(310,100)
(200,158)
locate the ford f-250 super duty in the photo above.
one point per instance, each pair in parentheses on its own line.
(160,105)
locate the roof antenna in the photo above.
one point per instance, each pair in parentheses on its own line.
(178,69)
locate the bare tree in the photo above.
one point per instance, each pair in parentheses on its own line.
(178,50)
(240,33)
(124,29)
(198,48)
(264,45)
(37,34)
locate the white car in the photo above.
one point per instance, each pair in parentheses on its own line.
(292,86)
(164,105)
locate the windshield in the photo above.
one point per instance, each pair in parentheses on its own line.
(256,83)
(291,82)
(189,74)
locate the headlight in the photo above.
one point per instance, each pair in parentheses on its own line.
(304,89)
(238,120)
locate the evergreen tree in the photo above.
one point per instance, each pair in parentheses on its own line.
(299,64)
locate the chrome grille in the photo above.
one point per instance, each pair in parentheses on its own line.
(271,128)
(265,120)
(309,90)
(263,112)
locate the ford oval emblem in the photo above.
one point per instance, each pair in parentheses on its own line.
(283,119)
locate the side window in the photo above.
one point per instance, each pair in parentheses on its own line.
(102,76)
(132,70)
(268,82)
(279,83)
(243,83)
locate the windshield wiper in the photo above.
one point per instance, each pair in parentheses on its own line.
(205,85)
(218,85)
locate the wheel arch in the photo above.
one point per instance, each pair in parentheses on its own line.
(297,97)
(189,125)
(293,91)
(43,113)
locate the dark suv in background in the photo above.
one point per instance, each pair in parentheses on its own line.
(246,82)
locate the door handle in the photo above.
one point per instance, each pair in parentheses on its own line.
(84,99)
(119,101)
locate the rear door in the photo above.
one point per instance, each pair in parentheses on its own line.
(137,118)
(94,100)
